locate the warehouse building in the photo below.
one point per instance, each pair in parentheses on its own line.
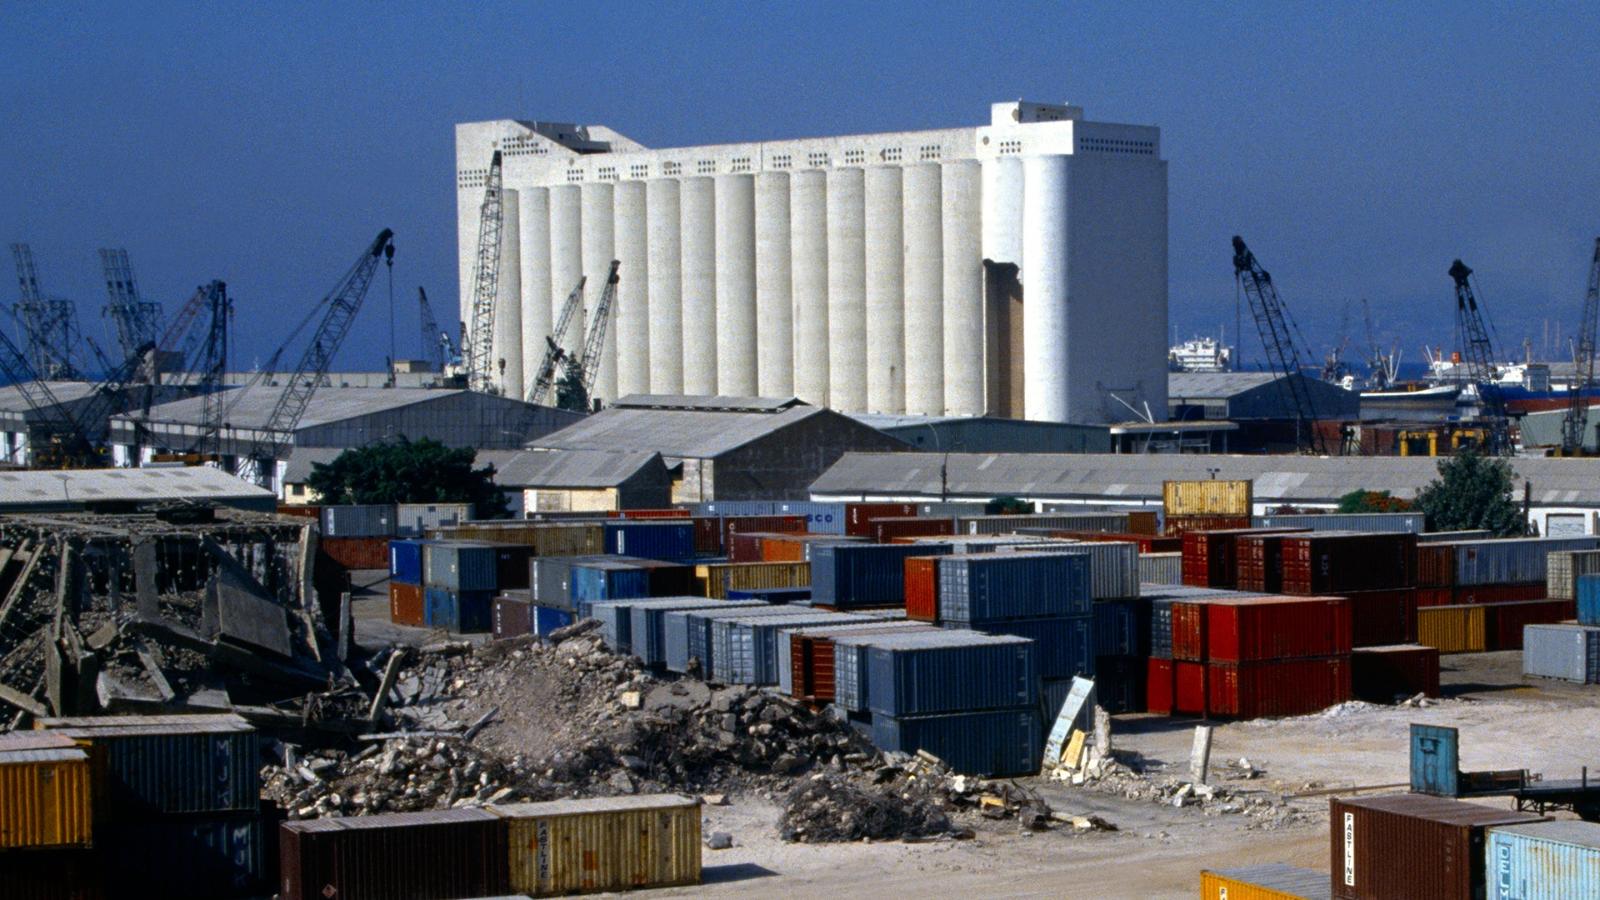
(23,427)
(337,418)
(1563,495)
(990,434)
(127,490)
(1262,405)
(726,448)
(847,271)
(547,481)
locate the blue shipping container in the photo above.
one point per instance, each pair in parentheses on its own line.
(647,627)
(771,595)
(821,518)
(192,856)
(686,634)
(992,744)
(1119,683)
(1543,861)
(547,619)
(1063,645)
(405,560)
(463,612)
(990,587)
(1589,599)
(668,539)
(857,575)
(460,566)
(616,623)
(591,582)
(1122,627)
(158,766)
(924,675)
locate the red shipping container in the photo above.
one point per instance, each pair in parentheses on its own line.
(1189,630)
(1503,630)
(1380,674)
(513,616)
(707,535)
(1383,617)
(1210,557)
(1144,521)
(745,547)
(1279,687)
(1246,629)
(1189,692)
(1148,543)
(886,529)
(732,525)
(922,588)
(1436,596)
(405,604)
(1159,686)
(1436,566)
(357,552)
(300,511)
(1260,563)
(1334,562)
(1181,525)
(654,513)
(858,517)
(1500,593)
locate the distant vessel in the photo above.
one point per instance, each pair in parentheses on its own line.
(1201,354)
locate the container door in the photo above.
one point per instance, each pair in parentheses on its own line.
(1435,764)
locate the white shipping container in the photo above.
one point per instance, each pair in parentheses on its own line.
(1161,568)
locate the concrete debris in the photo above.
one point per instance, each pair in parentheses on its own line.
(1114,776)
(1420,701)
(719,840)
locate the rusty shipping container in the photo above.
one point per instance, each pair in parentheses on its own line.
(1278,687)
(1380,674)
(1207,498)
(732,525)
(1411,846)
(1453,629)
(1210,558)
(434,855)
(1270,881)
(602,844)
(1246,629)
(1436,565)
(406,605)
(1503,623)
(1334,562)
(858,517)
(1383,617)
(45,792)
(922,588)
(357,552)
(884,530)
(796,547)
(714,580)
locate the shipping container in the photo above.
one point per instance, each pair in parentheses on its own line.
(45,792)
(1563,568)
(854,576)
(922,588)
(594,581)
(1001,743)
(616,624)
(1259,558)
(885,530)
(722,508)
(453,853)
(1436,565)
(405,560)
(546,538)
(201,857)
(1210,558)
(1160,687)
(646,625)
(1383,617)
(550,578)
(602,844)
(459,565)
(1511,560)
(746,546)
(851,687)
(1567,652)
(716,579)
(1382,674)
(1276,687)
(794,547)
(1543,861)
(1189,687)
(169,763)
(707,535)
(665,513)
(372,520)
(1113,567)
(1269,881)
(1063,645)
(406,604)
(414,519)
(980,588)
(745,648)
(686,633)
(858,517)
(1438,537)
(1119,684)
(1086,521)
(822,518)
(805,669)
(1497,593)
(1504,622)
(1334,562)
(1436,596)
(1453,629)
(1122,627)
(511,566)
(513,616)
(547,619)
(665,539)
(1588,600)
(1411,845)
(925,674)
(460,612)
(1412,522)
(776,524)
(1247,629)
(356,553)
(796,595)
(1207,498)
(73,873)
(1177,526)
(1146,543)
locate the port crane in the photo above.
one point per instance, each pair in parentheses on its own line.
(137,320)
(437,347)
(595,336)
(554,354)
(1278,333)
(50,324)
(1477,350)
(1576,423)
(486,283)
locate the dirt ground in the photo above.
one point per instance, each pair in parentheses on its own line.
(1158,850)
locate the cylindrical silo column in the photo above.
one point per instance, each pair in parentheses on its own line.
(885,270)
(924,280)
(736,285)
(961,215)
(631,321)
(533,223)
(599,249)
(665,307)
(1002,209)
(847,291)
(566,264)
(1044,342)
(808,261)
(774,312)
(698,237)
(508,301)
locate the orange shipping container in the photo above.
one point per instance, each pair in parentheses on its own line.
(1273,881)
(405,604)
(45,795)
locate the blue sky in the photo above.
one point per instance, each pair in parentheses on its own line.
(1357,147)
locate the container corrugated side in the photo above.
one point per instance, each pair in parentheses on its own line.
(407,605)
(1207,498)
(513,617)
(414,519)
(45,798)
(987,587)
(645,629)
(1278,687)
(916,675)
(1099,521)
(685,633)
(607,844)
(373,520)
(207,856)
(1260,628)
(1113,569)
(821,518)
(405,560)
(1543,861)
(1511,560)
(1452,629)
(851,689)
(1588,599)
(1412,522)
(861,575)
(1161,568)
(1271,881)
(1380,674)
(799,651)
(1063,645)
(771,646)
(459,566)
(992,743)
(716,579)
(1122,627)
(1411,845)
(1568,652)
(205,765)
(463,612)
(667,539)
(616,624)
(444,853)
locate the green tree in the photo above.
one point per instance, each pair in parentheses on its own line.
(1472,492)
(406,471)
(1365,501)
(1007,506)
(569,388)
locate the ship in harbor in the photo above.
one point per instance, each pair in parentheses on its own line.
(1200,354)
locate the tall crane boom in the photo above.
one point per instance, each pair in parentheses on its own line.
(434,341)
(1278,331)
(554,344)
(595,334)
(138,321)
(1477,348)
(486,283)
(1576,424)
(50,324)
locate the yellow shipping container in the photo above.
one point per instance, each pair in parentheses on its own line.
(546,539)
(1207,498)
(45,792)
(1274,881)
(714,580)
(1452,629)
(603,844)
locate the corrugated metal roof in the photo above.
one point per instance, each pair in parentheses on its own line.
(100,485)
(688,433)
(574,468)
(250,407)
(720,402)
(1215,385)
(11,399)
(1139,477)
(301,459)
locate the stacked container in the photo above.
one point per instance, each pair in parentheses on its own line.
(1411,845)
(1563,569)
(731,525)
(886,530)
(440,853)
(1376,571)
(1413,522)
(686,634)
(1161,568)
(1046,597)
(45,793)
(745,648)
(806,659)
(1381,674)
(406,605)
(664,539)
(1210,558)
(1588,600)
(716,579)
(1453,629)
(1543,861)
(460,579)
(1568,652)
(1246,657)
(647,622)
(862,576)
(858,517)
(415,519)
(513,615)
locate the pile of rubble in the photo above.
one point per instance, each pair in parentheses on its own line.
(1112,775)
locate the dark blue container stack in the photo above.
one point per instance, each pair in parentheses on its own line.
(861,576)
(686,634)
(592,582)
(464,612)
(665,539)
(1588,591)
(405,560)
(772,595)
(460,580)
(547,619)
(647,629)
(1041,596)
(1122,648)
